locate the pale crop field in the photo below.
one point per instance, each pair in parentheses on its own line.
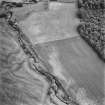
(59,22)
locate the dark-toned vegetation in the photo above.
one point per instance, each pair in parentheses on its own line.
(92,27)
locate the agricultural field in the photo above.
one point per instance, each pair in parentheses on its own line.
(54,36)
